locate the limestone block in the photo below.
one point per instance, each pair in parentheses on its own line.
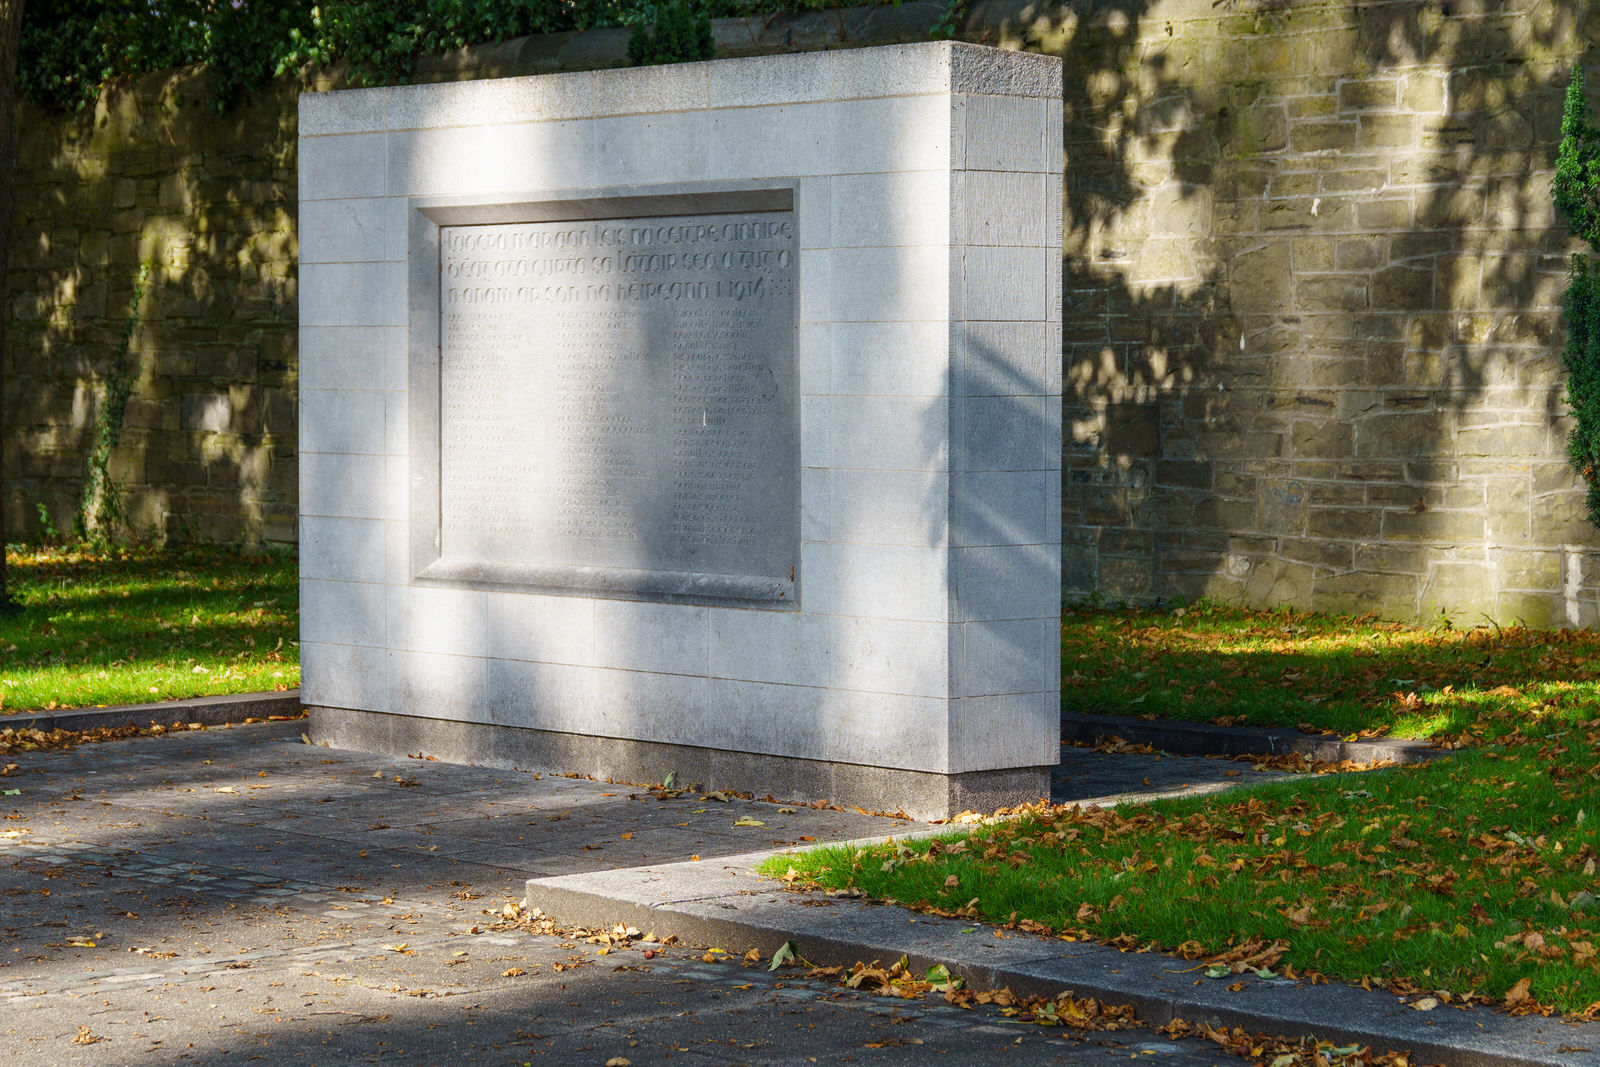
(1282,507)
(1343,523)
(342,612)
(1360,592)
(342,421)
(889,507)
(777,647)
(1527,570)
(342,166)
(1409,433)
(1005,133)
(1261,278)
(344,676)
(907,284)
(789,139)
(1321,136)
(449,687)
(890,656)
(1458,589)
(1345,292)
(1403,288)
(1507,441)
(1542,611)
(1440,526)
(1125,577)
(1381,215)
(342,549)
(1323,554)
(1559,519)
(894,134)
(343,486)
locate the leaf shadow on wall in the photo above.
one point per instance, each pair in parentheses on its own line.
(151,175)
(1311,326)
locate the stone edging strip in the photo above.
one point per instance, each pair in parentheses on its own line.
(723,903)
(1206,739)
(208,711)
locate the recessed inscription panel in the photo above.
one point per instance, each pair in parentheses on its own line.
(617,400)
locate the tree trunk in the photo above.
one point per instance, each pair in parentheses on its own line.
(10,32)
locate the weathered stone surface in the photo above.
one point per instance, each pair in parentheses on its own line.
(205,202)
(1382,258)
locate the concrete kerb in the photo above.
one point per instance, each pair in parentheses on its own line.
(208,711)
(724,903)
(1206,739)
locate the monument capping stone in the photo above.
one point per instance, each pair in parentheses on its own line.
(699,419)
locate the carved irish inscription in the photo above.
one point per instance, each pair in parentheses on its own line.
(617,400)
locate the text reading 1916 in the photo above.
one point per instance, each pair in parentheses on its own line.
(618,394)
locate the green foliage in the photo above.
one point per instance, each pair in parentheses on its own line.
(47,524)
(1231,666)
(382,40)
(243,44)
(100,511)
(950,22)
(70,48)
(1576,189)
(1576,186)
(680,33)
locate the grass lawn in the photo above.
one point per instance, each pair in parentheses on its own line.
(1320,672)
(1473,877)
(1469,875)
(124,626)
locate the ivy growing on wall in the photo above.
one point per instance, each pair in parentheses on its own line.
(1576,189)
(100,509)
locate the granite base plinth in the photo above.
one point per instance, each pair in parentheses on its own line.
(920,794)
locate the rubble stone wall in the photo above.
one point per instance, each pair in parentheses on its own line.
(1312,305)
(153,178)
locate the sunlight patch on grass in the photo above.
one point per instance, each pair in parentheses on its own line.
(1320,673)
(125,626)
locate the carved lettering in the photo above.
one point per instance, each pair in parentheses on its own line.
(620,394)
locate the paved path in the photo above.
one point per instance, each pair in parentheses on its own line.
(1085,776)
(235,896)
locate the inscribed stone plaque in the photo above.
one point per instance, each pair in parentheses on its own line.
(617,403)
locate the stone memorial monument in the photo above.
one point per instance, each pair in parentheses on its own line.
(699,419)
